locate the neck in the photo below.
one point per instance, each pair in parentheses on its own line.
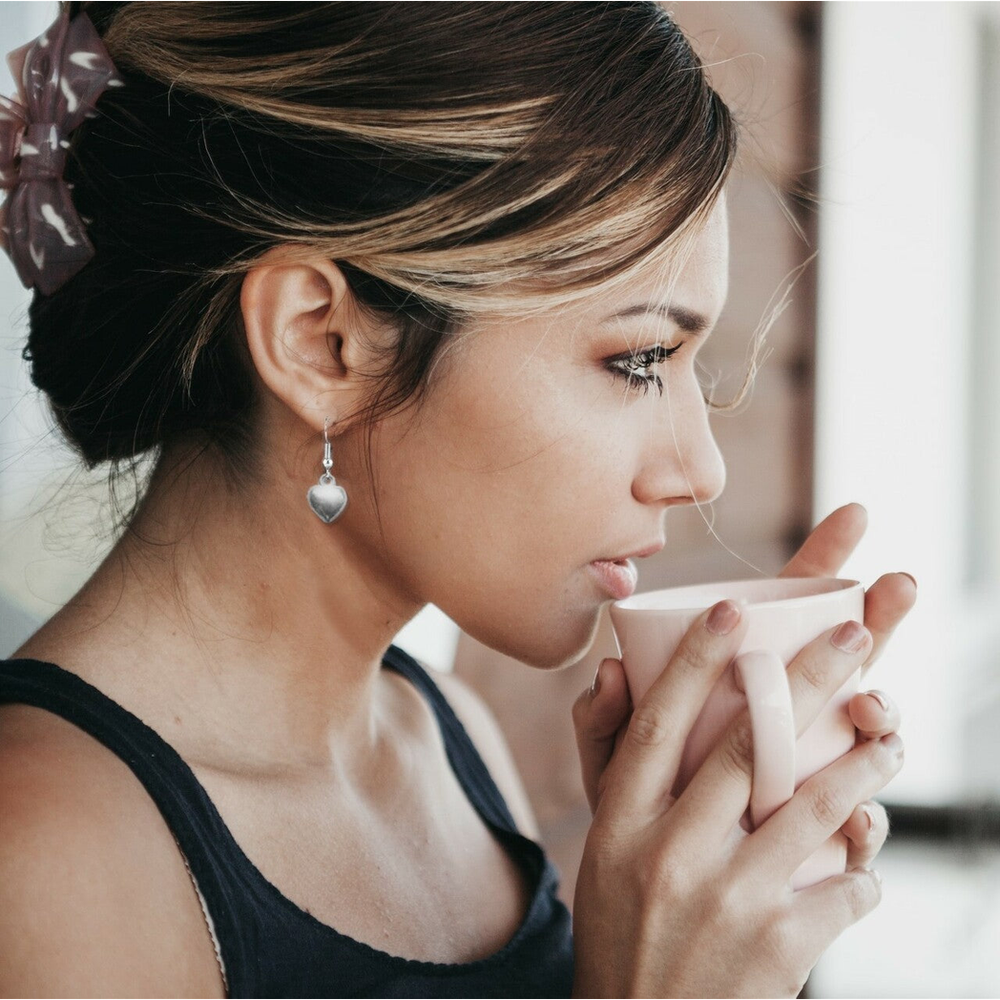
(267,625)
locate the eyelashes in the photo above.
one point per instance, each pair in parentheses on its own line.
(630,367)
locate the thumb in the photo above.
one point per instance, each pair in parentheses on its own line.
(598,715)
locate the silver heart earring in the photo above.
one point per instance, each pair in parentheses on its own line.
(327,499)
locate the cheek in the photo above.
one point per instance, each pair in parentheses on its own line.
(500,478)
(501,470)
(494,504)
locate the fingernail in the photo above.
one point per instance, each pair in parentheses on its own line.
(914,582)
(850,637)
(596,686)
(880,698)
(877,874)
(722,618)
(869,817)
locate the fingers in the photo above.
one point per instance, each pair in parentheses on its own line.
(827,548)
(719,792)
(887,602)
(830,543)
(821,806)
(598,715)
(874,714)
(643,770)
(866,830)
(823,912)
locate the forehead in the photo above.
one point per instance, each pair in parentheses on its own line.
(696,278)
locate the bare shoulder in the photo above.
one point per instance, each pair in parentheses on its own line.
(485,732)
(95,899)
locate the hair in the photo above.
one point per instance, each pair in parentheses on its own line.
(444,156)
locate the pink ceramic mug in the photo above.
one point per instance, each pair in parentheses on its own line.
(783,615)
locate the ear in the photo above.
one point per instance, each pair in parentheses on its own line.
(306,337)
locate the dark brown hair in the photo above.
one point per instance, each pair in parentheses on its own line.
(444,155)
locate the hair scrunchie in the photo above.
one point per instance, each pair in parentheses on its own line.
(60,75)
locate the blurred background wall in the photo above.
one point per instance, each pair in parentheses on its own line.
(866,208)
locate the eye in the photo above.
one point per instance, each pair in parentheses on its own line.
(631,367)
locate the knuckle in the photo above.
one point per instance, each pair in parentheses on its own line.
(648,728)
(689,657)
(826,806)
(810,673)
(737,751)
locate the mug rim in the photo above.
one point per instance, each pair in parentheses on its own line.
(626,605)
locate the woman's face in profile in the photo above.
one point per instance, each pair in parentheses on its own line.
(536,452)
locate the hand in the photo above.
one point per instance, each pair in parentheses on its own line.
(602,713)
(887,601)
(673,897)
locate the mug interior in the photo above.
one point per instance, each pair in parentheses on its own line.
(756,592)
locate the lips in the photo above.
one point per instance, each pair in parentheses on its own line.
(617,579)
(639,554)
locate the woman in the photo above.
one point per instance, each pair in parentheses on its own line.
(443,252)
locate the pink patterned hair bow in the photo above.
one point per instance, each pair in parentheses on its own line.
(60,75)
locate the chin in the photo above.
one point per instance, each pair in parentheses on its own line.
(551,647)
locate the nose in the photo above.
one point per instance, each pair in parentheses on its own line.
(682,463)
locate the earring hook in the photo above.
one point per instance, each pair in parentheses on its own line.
(327,458)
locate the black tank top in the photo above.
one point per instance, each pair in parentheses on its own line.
(266,944)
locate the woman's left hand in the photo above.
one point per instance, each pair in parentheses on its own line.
(602,713)
(887,602)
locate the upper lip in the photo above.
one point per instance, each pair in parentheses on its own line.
(647,551)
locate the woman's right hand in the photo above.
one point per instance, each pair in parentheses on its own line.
(674,898)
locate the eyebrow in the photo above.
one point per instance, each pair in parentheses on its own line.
(686,319)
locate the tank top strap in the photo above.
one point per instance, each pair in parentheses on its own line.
(201,835)
(463,756)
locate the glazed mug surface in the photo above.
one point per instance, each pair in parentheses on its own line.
(783,615)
